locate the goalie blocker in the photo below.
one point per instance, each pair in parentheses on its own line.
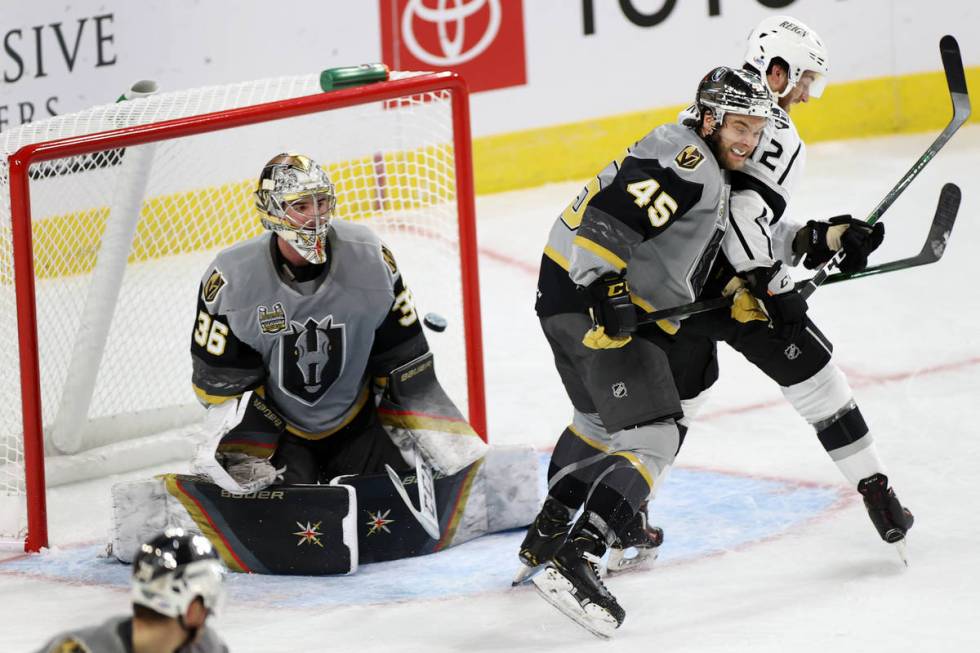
(330,529)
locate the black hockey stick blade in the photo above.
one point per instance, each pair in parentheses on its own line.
(956,82)
(932,250)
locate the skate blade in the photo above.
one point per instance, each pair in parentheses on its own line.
(901,547)
(619,562)
(524,574)
(557,591)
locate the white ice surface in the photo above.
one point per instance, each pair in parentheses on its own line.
(910,343)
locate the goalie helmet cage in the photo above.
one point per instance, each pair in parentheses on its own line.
(105,303)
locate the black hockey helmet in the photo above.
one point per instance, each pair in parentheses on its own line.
(736,90)
(173,569)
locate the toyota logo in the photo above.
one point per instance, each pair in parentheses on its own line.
(449,12)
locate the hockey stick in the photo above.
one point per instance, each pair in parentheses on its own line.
(425,514)
(932,250)
(956,83)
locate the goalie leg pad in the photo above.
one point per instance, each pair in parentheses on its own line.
(308,530)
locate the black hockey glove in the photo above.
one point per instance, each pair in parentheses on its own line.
(613,314)
(818,241)
(785,306)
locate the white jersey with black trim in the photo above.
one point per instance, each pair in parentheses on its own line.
(759,232)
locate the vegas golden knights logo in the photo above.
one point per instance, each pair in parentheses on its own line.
(389,260)
(311,358)
(689,158)
(213,286)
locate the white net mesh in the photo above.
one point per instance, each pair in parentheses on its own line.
(394,169)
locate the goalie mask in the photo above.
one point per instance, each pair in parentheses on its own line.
(297,200)
(784,37)
(173,569)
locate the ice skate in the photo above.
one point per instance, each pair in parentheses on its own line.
(543,538)
(638,545)
(571,581)
(889,517)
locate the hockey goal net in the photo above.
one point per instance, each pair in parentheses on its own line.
(109,216)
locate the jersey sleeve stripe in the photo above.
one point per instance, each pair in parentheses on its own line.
(599,251)
(556,256)
(789,166)
(765,233)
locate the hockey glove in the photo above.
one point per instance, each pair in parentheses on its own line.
(785,306)
(745,307)
(613,313)
(818,241)
(242,434)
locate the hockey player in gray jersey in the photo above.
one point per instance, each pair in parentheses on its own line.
(643,233)
(761,242)
(292,327)
(177,584)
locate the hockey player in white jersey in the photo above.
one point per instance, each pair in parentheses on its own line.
(643,233)
(177,584)
(760,244)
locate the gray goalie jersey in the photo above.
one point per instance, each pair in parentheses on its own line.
(311,345)
(660,213)
(116,636)
(760,233)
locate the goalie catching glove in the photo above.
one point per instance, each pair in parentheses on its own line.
(242,433)
(818,241)
(785,306)
(613,313)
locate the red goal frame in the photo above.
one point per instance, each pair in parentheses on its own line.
(21,160)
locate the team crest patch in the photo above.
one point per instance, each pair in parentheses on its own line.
(792,352)
(272,320)
(213,286)
(389,260)
(619,390)
(689,158)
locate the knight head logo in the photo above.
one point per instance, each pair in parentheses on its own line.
(311,358)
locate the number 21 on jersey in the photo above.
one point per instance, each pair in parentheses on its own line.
(662,206)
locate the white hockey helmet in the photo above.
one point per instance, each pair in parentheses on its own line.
(800,47)
(173,569)
(297,200)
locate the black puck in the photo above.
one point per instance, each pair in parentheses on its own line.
(435,322)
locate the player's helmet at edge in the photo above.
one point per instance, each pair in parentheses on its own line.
(294,181)
(786,38)
(173,569)
(734,90)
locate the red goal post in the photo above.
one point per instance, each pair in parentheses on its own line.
(396,191)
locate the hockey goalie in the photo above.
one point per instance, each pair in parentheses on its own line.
(328,440)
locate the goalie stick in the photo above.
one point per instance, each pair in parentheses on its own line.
(956,83)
